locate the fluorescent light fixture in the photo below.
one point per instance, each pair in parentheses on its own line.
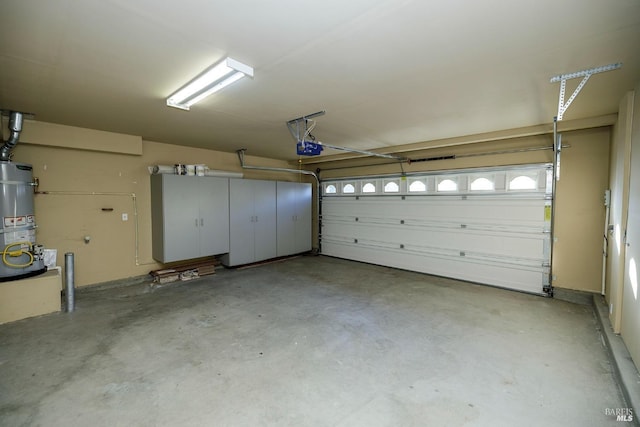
(210,81)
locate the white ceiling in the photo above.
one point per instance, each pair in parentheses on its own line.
(387,72)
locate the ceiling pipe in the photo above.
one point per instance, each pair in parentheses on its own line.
(240,154)
(15,127)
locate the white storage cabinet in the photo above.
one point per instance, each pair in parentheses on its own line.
(190,216)
(294,217)
(252,221)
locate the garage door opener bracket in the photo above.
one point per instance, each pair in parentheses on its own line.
(307,145)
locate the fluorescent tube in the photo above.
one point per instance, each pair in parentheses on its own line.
(209,82)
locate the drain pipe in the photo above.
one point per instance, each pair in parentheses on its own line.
(240,154)
(15,127)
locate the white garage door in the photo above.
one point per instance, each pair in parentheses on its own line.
(489,226)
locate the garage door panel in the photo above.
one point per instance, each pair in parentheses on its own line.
(490,226)
(499,238)
(433,252)
(528,279)
(500,211)
(500,244)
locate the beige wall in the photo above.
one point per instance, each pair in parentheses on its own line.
(580,204)
(622,279)
(580,210)
(630,316)
(619,184)
(85,193)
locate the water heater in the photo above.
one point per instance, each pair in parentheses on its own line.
(20,255)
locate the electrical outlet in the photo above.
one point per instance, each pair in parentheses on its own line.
(125,217)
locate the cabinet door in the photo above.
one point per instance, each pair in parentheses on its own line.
(214,215)
(286,212)
(181,216)
(241,220)
(303,212)
(294,217)
(265,219)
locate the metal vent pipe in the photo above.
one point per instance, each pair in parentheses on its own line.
(70,281)
(15,127)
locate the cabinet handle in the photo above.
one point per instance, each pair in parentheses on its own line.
(201,222)
(196,222)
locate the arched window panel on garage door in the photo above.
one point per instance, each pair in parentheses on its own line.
(391,186)
(330,189)
(417,185)
(348,188)
(527,180)
(369,187)
(447,184)
(481,183)
(523,182)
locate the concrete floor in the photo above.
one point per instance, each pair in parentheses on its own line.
(311,341)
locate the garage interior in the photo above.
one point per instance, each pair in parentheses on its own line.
(399,213)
